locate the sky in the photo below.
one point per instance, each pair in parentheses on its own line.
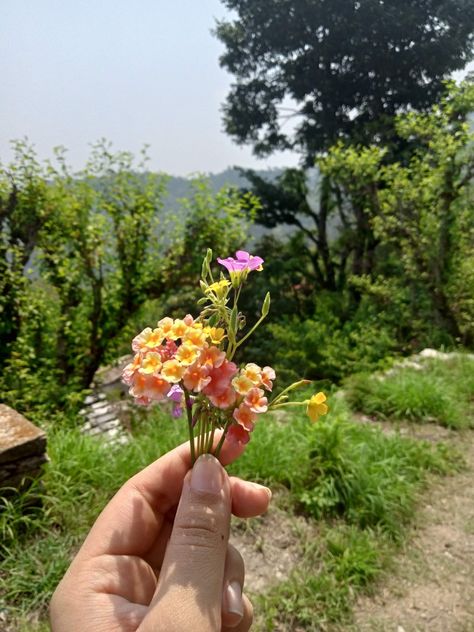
(135,73)
(147,71)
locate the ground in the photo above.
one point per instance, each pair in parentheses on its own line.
(430,587)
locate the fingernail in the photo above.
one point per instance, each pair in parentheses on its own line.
(268,491)
(234,599)
(207,475)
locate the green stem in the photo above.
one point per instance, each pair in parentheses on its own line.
(283,404)
(189,412)
(259,321)
(217,451)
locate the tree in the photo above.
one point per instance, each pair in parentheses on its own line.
(419,213)
(338,68)
(22,214)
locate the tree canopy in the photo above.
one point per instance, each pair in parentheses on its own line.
(336,67)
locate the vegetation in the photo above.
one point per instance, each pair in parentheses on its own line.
(339,70)
(378,263)
(359,485)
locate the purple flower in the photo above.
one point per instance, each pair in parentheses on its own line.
(177,411)
(243,262)
(175,394)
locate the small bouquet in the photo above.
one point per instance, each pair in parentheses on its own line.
(190,362)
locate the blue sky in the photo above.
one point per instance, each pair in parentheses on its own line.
(74,71)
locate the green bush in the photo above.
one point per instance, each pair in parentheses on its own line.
(440,393)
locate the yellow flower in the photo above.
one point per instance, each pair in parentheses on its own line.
(178,330)
(216,334)
(151,364)
(172,371)
(187,353)
(219,288)
(316,406)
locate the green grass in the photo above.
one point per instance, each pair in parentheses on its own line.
(442,393)
(320,591)
(358,483)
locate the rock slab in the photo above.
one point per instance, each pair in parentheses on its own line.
(22,448)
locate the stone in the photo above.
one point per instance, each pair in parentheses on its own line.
(19,438)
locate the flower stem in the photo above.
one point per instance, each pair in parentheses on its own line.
(217,451)
(189,412)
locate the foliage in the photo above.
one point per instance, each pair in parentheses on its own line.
(219,221)
(417,212)
(325,347)
(369,471)
(338,69)
(441,393)
(81,255)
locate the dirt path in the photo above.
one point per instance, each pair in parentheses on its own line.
(432,586)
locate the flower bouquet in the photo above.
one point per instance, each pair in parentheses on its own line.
(189,361)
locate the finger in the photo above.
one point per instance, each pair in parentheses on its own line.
(189,592)
(245,623)
(248,500)
(130,523)
(232,603)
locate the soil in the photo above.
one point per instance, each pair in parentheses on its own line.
(430,587)
(271,545)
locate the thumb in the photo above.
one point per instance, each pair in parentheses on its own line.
(189,591)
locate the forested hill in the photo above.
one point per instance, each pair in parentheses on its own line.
(180,187)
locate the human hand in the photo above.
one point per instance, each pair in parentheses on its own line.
(158,556)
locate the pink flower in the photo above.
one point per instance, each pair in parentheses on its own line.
(244,262)
(196,377)
(220,378)
(129,371)
(149,387)
(267,375)
(224,399)
(245,417)
(256,401)
(237,434)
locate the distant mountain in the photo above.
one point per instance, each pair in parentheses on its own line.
(180,187)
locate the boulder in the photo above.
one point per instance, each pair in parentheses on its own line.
(22,448)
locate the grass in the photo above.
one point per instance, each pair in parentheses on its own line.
(359,484)
(320,591)
(442,393)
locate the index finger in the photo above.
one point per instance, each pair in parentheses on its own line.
(130,522)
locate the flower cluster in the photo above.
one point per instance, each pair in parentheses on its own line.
(189,361)
(185,352)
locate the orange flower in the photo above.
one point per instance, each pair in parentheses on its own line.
(196,377)
(245,417)
(149,339)
(149,387)
(224,399)
(187,353)
(131,368)
(256,401)
(253,373)
(212,357)
(242,384)
(178,330)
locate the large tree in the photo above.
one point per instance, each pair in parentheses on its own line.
(337,68)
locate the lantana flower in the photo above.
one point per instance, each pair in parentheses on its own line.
(190,362)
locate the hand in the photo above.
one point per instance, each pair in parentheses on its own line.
(158,556)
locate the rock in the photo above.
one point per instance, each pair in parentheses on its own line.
(22,449)
(19,438)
